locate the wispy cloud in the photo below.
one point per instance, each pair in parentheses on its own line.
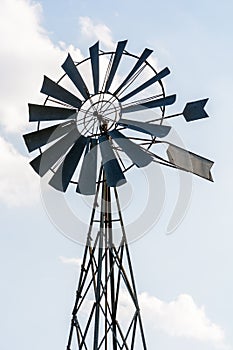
(96,31)
(71,261)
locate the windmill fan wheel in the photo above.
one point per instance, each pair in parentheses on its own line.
(83,118)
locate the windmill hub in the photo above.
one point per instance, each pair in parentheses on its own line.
(99,113)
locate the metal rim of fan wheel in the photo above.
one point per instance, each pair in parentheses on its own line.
(100,112)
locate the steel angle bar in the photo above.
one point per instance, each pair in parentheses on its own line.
(146,53)
(160,102)
(87,326)
(155,130)
(117,57)
(145,85)
(137,154)
(130,327)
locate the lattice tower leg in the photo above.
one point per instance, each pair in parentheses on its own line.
(106,313)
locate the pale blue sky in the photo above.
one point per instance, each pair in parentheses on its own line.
(194,39)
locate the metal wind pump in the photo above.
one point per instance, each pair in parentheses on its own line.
(85,141)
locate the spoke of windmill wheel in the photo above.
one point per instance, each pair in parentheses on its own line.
(165,101)
(94,54)
(41,137)
(110,110)
(151,129)
(66,169)
(73,73)
(137,154)
(148,83)
(146,53)
(87,178)
(190,162)
(195,110)
(54,90)
(112,169)
(50,156)
(66,105)
(39,113)
(117,57)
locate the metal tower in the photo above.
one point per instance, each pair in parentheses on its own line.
(92,147)
(106,273)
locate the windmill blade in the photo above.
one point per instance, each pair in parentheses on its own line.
(41,137)
(94,54)
(50,156)
(159,102)
(137,154)
(112,169)
(66,169)
(151,129)
(190,162)
(146,53)
(148,83)
(195,110)
(54,90)
(73,73)
(87,178)
(39,113)
(117,57)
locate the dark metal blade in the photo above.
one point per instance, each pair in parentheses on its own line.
(66,169)
(146,53)
(151,129)
(87,177)
(159,102)
(117,57)
(195,110)
(149,82)
(54,90)
(190,162)
(39,113)
(41,137)
(73,73)
(112,169)
(133,151)
(50,156)
(94,53)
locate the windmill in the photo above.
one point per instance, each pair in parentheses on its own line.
(86,140)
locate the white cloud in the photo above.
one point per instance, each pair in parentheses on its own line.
(71,261)
(181,318)
(178,318)
(26,54)
(96,32)
(18,184)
